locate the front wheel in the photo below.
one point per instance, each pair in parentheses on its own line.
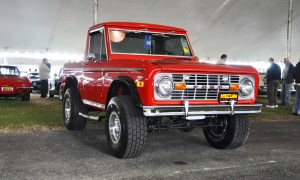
(231,132)
(126,127)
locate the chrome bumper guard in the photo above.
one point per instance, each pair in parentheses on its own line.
(201,111)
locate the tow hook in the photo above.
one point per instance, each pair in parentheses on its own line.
(232,103)
(186,108)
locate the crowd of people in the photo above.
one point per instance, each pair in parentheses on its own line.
(275,77)
(286,78)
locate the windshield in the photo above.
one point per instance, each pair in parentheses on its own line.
(9,70)
(136,42)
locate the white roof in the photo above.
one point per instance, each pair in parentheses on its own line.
(243,29)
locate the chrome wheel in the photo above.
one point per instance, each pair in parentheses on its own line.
(67,110)
(114,125)
(60,94)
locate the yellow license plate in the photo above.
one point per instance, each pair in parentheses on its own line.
(223,97)
(7,88)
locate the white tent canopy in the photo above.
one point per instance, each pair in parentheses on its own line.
(245,30)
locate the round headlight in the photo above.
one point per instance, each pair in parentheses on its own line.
(246,87)
(164,86)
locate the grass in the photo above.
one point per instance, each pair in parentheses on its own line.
(46,114)
(35,114)
(281,113)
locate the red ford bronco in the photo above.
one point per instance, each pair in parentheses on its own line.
(146,77)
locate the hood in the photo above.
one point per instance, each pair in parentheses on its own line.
(194,66)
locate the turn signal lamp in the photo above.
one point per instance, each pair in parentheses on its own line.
(180,86)
(234,87)
(139,83)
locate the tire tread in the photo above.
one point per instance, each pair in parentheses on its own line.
(237,135)
(136,127)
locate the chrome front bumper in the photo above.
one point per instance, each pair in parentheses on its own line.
(203,110)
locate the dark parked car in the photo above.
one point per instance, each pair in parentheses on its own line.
(34,77)
(263,86)
(36,83)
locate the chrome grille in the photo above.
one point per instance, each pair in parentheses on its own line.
(202,87)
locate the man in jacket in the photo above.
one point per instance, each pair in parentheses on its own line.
(273,77)
(296,107)
(44,76)
(287,81)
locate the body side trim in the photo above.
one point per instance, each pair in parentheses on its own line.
(94,104)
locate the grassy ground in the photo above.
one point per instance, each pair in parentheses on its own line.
(46,114)
(35,114)
(281,113)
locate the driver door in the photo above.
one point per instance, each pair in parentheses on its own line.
(93,68)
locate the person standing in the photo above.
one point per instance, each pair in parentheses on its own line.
(296,107)
(44,76)
(287,81)
(273,77)
(222,59)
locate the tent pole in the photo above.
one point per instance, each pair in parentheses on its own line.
(289,30)
(96,2)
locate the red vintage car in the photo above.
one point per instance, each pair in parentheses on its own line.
(12,85)
(146,77)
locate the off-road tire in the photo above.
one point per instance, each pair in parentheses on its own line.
(72,100)
(235,133)
(133,127)
(26,97)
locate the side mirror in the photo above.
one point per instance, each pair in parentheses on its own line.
(91,57)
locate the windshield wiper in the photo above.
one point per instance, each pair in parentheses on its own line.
(160,34)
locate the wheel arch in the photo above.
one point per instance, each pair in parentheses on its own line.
(128,87)
(70,82)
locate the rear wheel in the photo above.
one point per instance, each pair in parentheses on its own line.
(60,93)
(126,127)
(231,133)
(72,106)
(51,94)
(26,97)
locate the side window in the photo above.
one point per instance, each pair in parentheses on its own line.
(97,45)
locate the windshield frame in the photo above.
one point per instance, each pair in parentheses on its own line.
(145,30)
(19,73)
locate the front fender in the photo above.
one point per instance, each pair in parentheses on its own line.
(129,84)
